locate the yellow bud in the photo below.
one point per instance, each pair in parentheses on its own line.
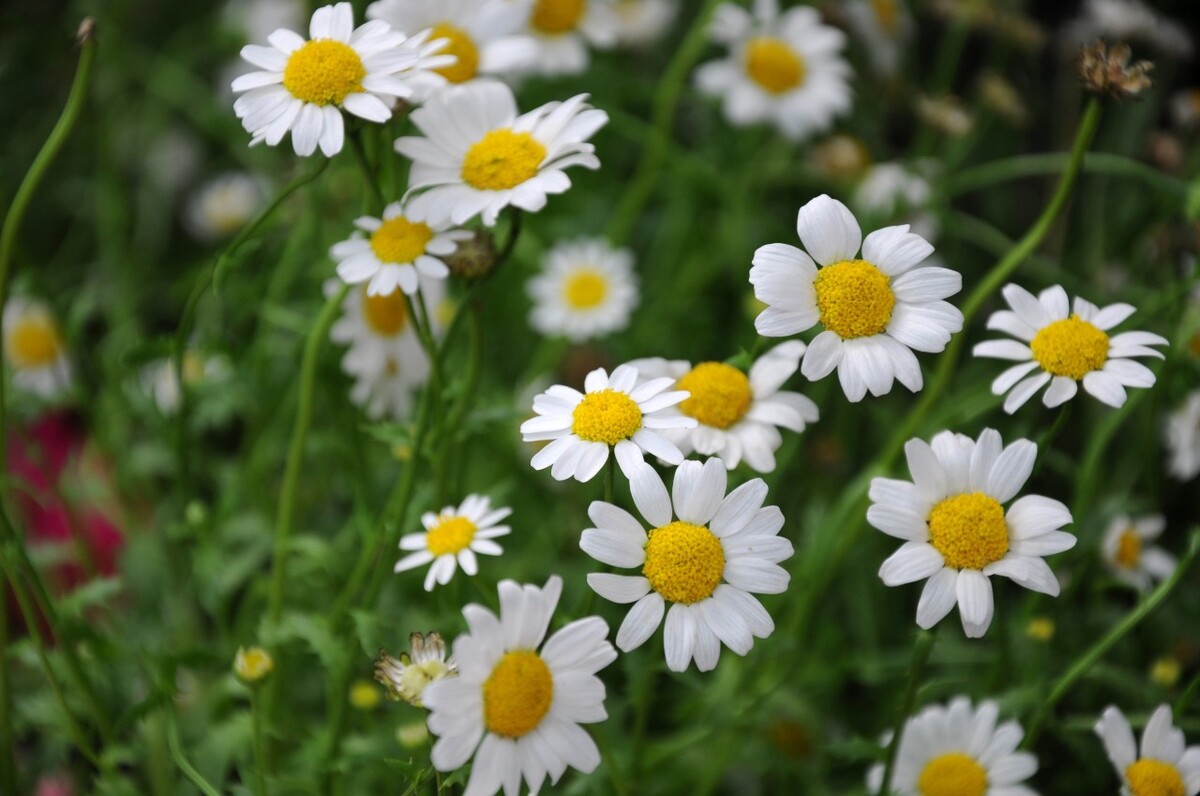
(412,735)
(1040,628)
(253,664)
(1165,672)
(364,695)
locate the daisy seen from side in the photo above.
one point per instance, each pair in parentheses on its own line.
(1181,435)
(641,23)
(563,30)
(1129,555)
(407,677)
(34,347)
(452,539)
(221,206)
(1162,767)
(586,289)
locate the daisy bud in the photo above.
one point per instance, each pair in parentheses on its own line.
(1107,71)
(1040,628)
(252,665)
(474,257)
(364,695)
(412,735)
(1165,672)
(407,677)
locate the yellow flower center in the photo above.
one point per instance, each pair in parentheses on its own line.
(557,16)
(386,315)
(323,72)
(607,416)
(253,664)
(517,694)
(855,298)
(684,562)
(33,342)
(952,774)
(1071,347)
(720,394)
(1129,549)
(462,47)
(888,14)
(1040,628)
(969,530)
(399,240)
(1150,777)
(584,289)
(414,677)
(773,65)
(450,535)
(364,695)
(502,159)
(193,368)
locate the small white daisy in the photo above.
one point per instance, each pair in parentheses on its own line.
(956,531)
(1181,434)
(958,750)
(1128,556)
(738,416)
(563,29)
(586,289)
(479,156)
(1163,768)
(223,205)
(160,383)
(452,538)
(643,22)
(304,85)
(613,412)
(34,347)
(525,704)
(407,677)
(1066,347)
(785,69)
(707,563)
(885,27)
(1127,20)
(875,309)
(257,19)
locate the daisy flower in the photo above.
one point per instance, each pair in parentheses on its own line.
(956,531)
(958,749)
(479,156)
(1181,434)
(399,247)
(1130,558)
(613,412)
(34,347)
(884,26)
(563,29)
(875,309)
(452,537)
(586,289)
(1064,348)
(223,205)
(526,704)
(785,69)
(1164,767)
(706,563)
(159,381)
(737,416)
(304,85)
(407,677)
(643,22)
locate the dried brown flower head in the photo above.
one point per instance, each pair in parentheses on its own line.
(1106,70)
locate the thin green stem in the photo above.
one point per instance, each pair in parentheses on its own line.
(610,477)
(360,155)
(8,763)
(259,751)
(1021,166)
(188,770)
(1185,699)
(916,670)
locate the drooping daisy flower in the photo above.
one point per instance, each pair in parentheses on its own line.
(1130,558)
(223,205)
(785,69)
(452,538)
(958,750)
(874,308)
(1065,348)
(563,29)
(1163,768)
(643,22)
(34,347)
(707,563)
(956,531)
(737,417)
(407,677)
(885,27)
(525,703)
(304,85)
(1181,434)
(586,289)
(613,412)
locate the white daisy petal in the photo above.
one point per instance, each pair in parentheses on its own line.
(828,230)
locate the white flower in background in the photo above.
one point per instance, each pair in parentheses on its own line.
(258,19)
(34,347)
(1129,556)
(785,69)
(1164,767)
(563,30)
(171,160)
(1127,20)
(738,416)
(707,563)
(885,28)
(452,539)
(479,156)
(160,383)
(875,309)
(956,531)
(304,85)
(407,677)
(643,22)
(1185,108)
(398,250)
(899,192)
(1062,348)
(483,35)
(223,205)
(586,289)
(957,750)
(1181,434)
(526,704)
(613,412)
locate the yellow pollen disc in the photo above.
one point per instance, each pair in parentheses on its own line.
(462,47)
(33,342)
(773,65)
(502,159)
(585,289)
(607,416)
(720,394)
(1071,347)
(517,694)
(1129,549)
(1150,777)
(386,315)
(952,774)
(557,16)
(450,535)
(969,530)
(323,72)
(888,15)
(684,562)
(855,298)
(399,240)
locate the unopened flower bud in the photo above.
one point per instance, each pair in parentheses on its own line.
(253,664)
(475,257)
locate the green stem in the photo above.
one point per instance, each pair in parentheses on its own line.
(465,398)
(1015,168)
(8,763)
(260,756)
(610,477)
(360,155)
(916,670)
(188,770)
(1185,699)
